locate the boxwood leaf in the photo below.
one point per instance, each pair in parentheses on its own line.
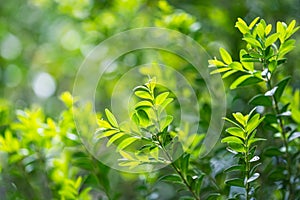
(111,118)
(260,100)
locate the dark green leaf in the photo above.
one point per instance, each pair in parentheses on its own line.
(260,100)
(235,182)
(280,88)
(235,168)
(173,178)
(272,151)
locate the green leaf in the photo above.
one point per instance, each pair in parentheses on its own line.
(126,142)
(235,168)
(252,24)
(225,56)
(236,66)
(173,178)
(107,133)
(253,123)
(242,26)
(232,139)
(239,81)
(286,47)
(143,117)
(114,138)
(253,140)
(280,29)
(111,118)
(103,124)
(131,164)
(166,121)
(126,155)
(235,182)
(268,29)
(220,70)
(248,65)
(252,42)
(143,104)
(237,147)
(260,30)
(141,88)
(240,118)
(260,100)
(271,39)
(272,151)
(280,88)
(164,104)
(160,99)
(225,75)
(235,131)
(143,94)
(216,63)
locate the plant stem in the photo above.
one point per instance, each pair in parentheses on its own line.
(179,172)
(247,169)
(285,142)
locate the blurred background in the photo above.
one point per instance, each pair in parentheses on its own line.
(44,42)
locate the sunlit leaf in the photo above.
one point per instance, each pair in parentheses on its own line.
(225,56)
(111,118)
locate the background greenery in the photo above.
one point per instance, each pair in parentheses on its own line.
(42,44)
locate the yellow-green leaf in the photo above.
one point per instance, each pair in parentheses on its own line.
(225,56)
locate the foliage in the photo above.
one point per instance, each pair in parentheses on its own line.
(268,52)
(42,44)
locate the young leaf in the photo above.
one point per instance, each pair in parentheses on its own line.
(271,39)
(126,142)
(111,118)
(240,118)
(114,138)
(239,81)
(236,66)
(242,26)
(232,139)
(166,121)
(161,98)
(143,94)
(107,133)
(225,56)
(235,131)
(253,42)
(252,24)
